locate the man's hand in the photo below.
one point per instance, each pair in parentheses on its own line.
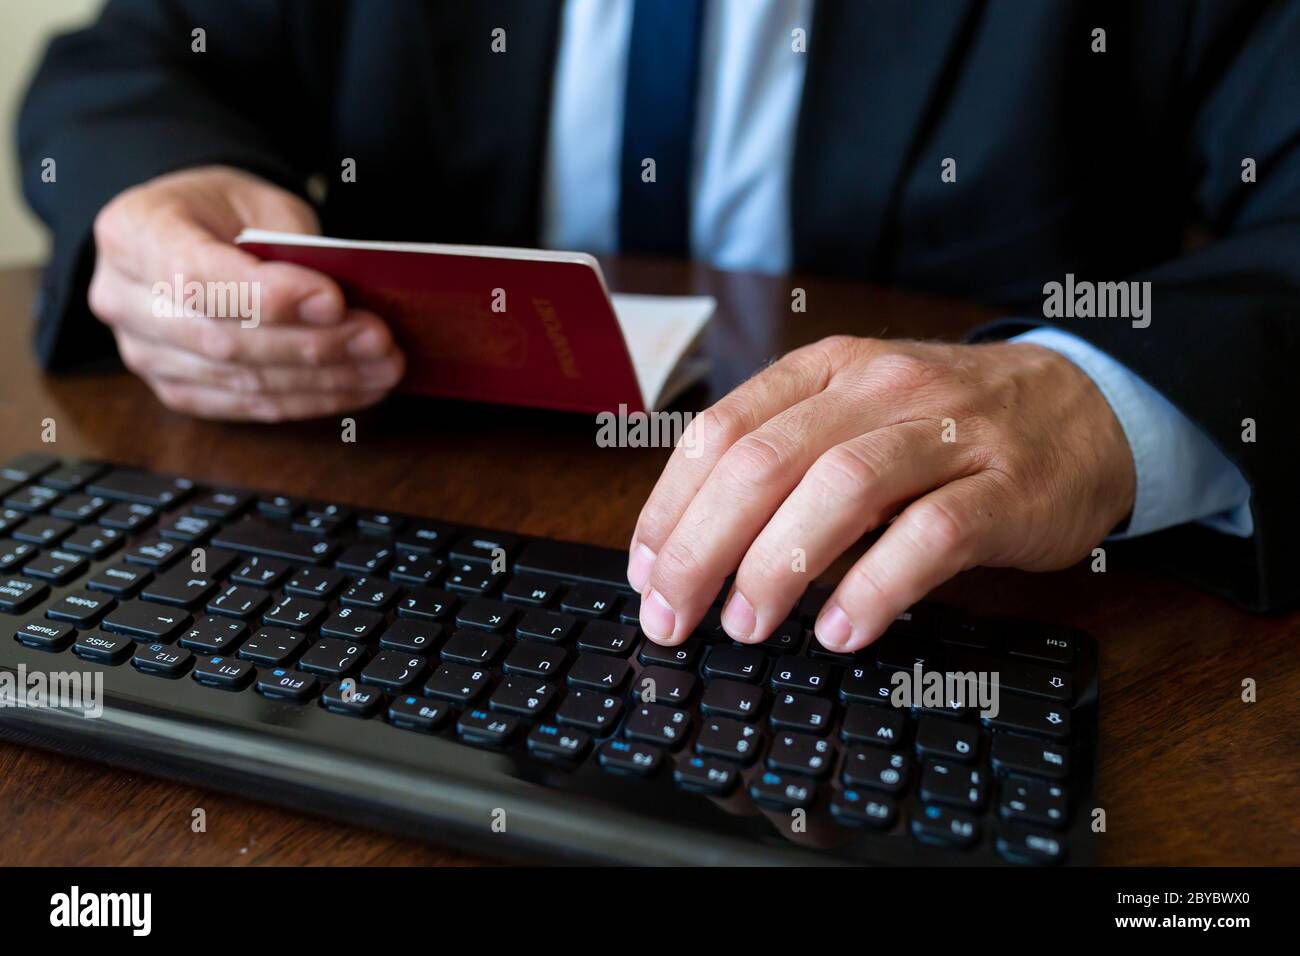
(309,355)
(1003,454)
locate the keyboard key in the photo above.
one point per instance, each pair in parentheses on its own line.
(18,594)
(658,724)
(188,529)
(1023,715)
(954,785)
(1012,753)
(1016,676)
(802,712)
(550,626)
(412,636)
(522,696)
(222,505)
(488,615)
(538,661)
(415,568)
(457,683)
(94,542)
(162,659)
(591,710)
(704,775)
(801,753)
(279,506)
(348,697)
(127,517)
(379,523)
(935,824)
(856,808)
(227,673)
(558,744)
(121,580)
(1033,802)
(475,648)
(630,612)
(239,601)
(872,725)
(44,531)
(729,698)
(733,739)
(801,674)
(606,637)
(393,671)
(104,648)
(80,508)
(683,655)
(154,553)
(138,487)
(266,573)
(427,536)
(484,547)
(476,580)
(875,769)
(904,652)
(736,663)
(352,624)
(146,622)
(283,684)
(947,739)
(365,558)
(180,587)
(664,685)
(47,635)
(626,756)
(578,562)
(295,612)
(1053,647)
(272,646)
(589,601)
(1021,844)
(80,608)
(255,536)
(214,635)
(28,465)
(32,500)
(57,567)
(427,604)
(599,672)
(13,554)
(481,728)
(370,593)
(71,476)
(332,657)
(317,583)
(782,791)
(413,713)
(530,589)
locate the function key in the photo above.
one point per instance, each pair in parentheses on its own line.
(485,547)
(27,466)
(782,791)
(348,697)
(227,673)
(589,600)
(856,808)
(703,775)
(222,505)
(559,744)
(162,659)
(413,713)
(379,523)
(18,594)
(104,648)
(801,674)
(141,488)
(935,824)
(482,728)
(283,684)
(530,589)
(426,536)
(46,635)
(1024,845)
(627,756)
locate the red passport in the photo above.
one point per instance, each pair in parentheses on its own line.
(515,326)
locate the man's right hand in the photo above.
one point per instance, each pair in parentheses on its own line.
(308,356)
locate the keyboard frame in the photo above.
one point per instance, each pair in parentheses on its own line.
(432,787)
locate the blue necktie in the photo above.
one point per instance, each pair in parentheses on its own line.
(658,121)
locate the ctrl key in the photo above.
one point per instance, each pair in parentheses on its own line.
(45,635)
(935,824)
(162,660)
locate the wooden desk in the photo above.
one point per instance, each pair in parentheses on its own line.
(1189,773)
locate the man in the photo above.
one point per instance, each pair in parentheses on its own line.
(987,149)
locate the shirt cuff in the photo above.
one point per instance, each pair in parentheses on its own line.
(1181,475)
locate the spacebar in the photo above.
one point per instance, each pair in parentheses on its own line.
(257,537)
(582,562)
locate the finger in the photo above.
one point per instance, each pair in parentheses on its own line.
(161,361)
(738,497)
(853,488)
(800,374)
(945,532)
(174,252)
(204,402)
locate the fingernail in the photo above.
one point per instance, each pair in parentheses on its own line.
(657,618)
(321,307)
(833,628)
(738,617)
(638,567)
(380,374)
(368,343)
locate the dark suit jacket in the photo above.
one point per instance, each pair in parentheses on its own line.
(1067,160)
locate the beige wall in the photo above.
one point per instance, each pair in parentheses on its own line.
(25,26)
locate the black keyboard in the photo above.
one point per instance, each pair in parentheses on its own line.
(493,691)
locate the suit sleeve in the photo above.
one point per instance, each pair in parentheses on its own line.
(1223,343)
(132,97)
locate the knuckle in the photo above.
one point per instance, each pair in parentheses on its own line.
(753,460)
(216,341)
(902,372)
(100,296)
(844,474)
(716,428)
(937,527)
(653,527)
